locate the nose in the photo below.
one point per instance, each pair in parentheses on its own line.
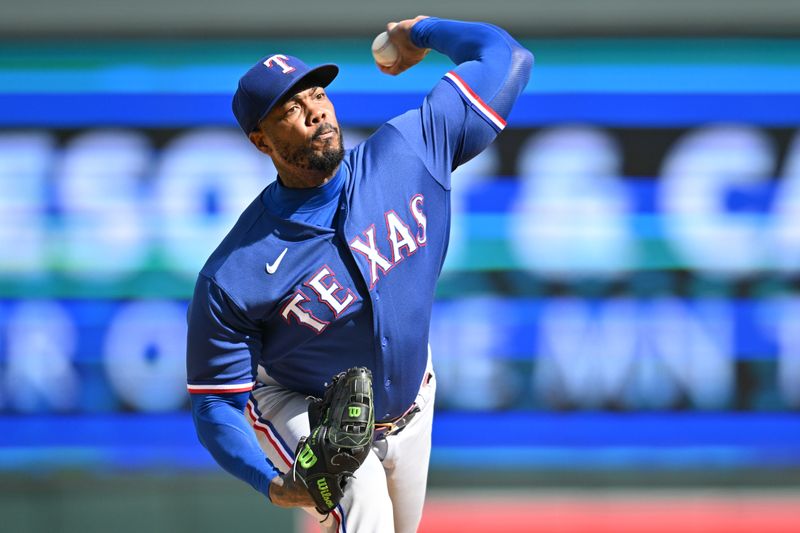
(316,114)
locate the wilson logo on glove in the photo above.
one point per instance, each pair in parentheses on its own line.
(307,457)
(325,492)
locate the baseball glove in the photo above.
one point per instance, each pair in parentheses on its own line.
(342,425)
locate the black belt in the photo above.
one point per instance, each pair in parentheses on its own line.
(395,426)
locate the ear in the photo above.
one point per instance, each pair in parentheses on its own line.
(259,140)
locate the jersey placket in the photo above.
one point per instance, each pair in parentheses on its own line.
(381,343)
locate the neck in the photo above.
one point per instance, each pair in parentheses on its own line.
(304,179)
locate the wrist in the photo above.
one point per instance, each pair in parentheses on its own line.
(285,492)
(274,488)
(420,30)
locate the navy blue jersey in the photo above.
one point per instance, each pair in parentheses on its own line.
(358,294)
(307,301)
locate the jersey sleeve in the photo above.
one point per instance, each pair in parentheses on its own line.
(222,344)
(466,110)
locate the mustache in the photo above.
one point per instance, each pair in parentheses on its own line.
(323,129)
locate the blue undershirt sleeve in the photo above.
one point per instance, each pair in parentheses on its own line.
(466,110)
(223,431)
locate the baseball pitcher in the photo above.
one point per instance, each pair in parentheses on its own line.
(312,315)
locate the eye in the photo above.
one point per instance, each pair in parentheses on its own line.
(291,110)
(320,95)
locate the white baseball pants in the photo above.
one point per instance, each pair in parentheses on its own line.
(388,491)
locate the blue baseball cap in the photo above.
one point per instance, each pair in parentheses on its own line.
(268,81)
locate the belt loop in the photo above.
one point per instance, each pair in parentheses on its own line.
(384,429)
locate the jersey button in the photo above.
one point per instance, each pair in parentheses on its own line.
(377,297)
(388,382)
(384,342)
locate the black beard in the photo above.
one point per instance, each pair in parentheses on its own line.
(328,160)
(308,158)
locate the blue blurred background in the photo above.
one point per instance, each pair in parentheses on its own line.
(617,314)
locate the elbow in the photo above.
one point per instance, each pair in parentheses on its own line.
(519,67)
(199,429)
(521,61)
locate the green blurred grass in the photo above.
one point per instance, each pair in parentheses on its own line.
(137,503)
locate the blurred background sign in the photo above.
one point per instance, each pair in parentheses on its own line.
(617,310)
(45,18)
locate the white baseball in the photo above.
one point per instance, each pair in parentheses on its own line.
(384,52)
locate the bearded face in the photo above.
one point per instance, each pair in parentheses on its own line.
(322,153)
(302,137)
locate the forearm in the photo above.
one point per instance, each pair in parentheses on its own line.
(490,61)
(224,432)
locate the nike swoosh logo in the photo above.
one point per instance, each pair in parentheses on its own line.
(271,268)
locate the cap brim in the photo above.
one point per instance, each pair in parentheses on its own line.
(322,76)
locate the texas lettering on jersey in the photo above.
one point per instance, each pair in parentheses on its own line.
(403,241)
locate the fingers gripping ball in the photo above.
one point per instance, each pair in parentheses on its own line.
(384,52)
(342,425)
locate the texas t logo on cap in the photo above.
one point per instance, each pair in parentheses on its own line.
(281,61)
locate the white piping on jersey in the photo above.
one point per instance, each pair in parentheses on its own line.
(236,387)
(470,95)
